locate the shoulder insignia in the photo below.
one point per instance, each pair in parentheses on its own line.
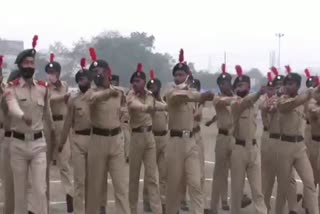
(42,83)
(13,83)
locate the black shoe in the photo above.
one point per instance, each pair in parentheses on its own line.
(103,210)
(184,206)
(209,211)
(293,212)
(29,212)
(246,201)
(307,211)
(69,200)
(147,207)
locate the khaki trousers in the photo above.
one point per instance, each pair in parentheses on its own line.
(295,155)
(29,157)
(126,137)
(223,150)
(63,159)
(183,167)
(161,143)
(7,178)
(314,157)
(143,150)
(246,160)
(79,160)
(105,154)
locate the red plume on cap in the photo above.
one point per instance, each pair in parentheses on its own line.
(93,54)
(34,41)
(288,69)
(239,70)
(223,68)
(307,72)
(181,56)
(51,58)
(152,75)
(1,61)
(275,71)
(270,77)
(140,67)
(83,63)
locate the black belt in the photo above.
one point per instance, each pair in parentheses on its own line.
(1,125)
(196,129)
(243,142)
(83,132)
(57,117)
(160,133)
(8,133)
(223,132)
(106,132)
(22,136)
(308,122)
(142,129)
(316,138)
(265,129)
(126,121)
(178,133)
(275,136)
(292,139)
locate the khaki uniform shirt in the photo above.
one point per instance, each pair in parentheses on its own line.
(197,114)
(181,108)
(292,114)
(244,113)
(78,116)
(57,102)
(273,114)
(160,118)
(222,105)
(264,112)
(31,101)
(138,106)
(314,117)
(105,109)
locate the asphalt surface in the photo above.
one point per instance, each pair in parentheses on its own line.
(58,206)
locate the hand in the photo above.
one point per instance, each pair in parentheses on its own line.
(206,96)
(150,109)
(114,93)
(208,123)
(197,117)
(27,120)
(66,97)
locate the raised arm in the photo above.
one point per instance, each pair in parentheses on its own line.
(238,106)
(289,103)
(12,102)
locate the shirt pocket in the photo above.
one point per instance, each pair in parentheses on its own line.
(79,112)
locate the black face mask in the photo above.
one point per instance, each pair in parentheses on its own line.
(98,80)
(27,73)
(242,93)
(84,88)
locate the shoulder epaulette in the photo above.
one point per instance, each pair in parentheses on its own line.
(15,82)
(42,83)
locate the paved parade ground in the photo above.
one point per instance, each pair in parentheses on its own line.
(58,206)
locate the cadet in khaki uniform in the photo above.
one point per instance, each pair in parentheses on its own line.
(105,152)
(183,153)
(160,132)
(314,113)
(58,101)
(141,104)
(269,148)
(28,104)
(245,156)
(291,149)
(78,118)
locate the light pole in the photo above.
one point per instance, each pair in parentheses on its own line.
(279,35)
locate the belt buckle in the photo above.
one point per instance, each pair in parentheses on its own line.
(28,136)
(186,133)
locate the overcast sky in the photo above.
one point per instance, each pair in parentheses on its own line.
(245,29)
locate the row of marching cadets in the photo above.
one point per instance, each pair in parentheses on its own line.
(114,132)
